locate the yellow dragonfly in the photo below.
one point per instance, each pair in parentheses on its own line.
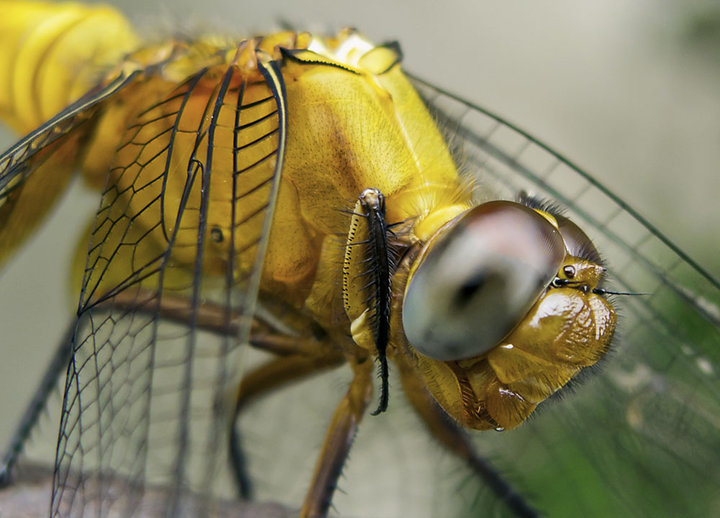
(296,193)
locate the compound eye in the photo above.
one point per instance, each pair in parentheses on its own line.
(477,278)
(577,241)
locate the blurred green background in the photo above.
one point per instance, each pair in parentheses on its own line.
(628,90)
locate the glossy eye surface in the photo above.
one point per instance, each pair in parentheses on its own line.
(577,241)
(477,278)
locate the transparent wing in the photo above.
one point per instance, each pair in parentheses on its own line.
(176,250)
(642,436)
(17,163)
(52,151)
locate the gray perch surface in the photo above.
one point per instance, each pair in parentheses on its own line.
(29,497)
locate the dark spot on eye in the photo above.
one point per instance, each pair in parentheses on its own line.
(469,289)
(217,235)
(569,271)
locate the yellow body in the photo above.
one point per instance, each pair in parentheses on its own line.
(51,54)
(354,121)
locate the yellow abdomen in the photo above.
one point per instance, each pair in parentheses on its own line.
(51,54)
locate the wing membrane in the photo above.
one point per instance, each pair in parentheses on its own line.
(16,164)
(52,149)
(183,223)
(643,436)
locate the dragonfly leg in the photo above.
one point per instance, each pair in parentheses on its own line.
(338,441)
(455,439)
(265,333)
(56,368)
(286,345)
(263,380)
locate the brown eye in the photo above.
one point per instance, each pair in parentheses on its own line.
(569,271)
(577,241)
(477,279)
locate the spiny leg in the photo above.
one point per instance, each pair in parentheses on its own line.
(264,380)
(57,366)
(338,441)
(455,439)
(368,265)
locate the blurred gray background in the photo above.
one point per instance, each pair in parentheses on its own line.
(628,90)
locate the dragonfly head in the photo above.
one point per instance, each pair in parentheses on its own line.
(477,277)
(501,309)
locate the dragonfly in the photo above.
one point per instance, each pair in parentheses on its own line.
(159,340)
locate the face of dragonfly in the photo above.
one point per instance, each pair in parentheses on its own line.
(653,429)
(650,421)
